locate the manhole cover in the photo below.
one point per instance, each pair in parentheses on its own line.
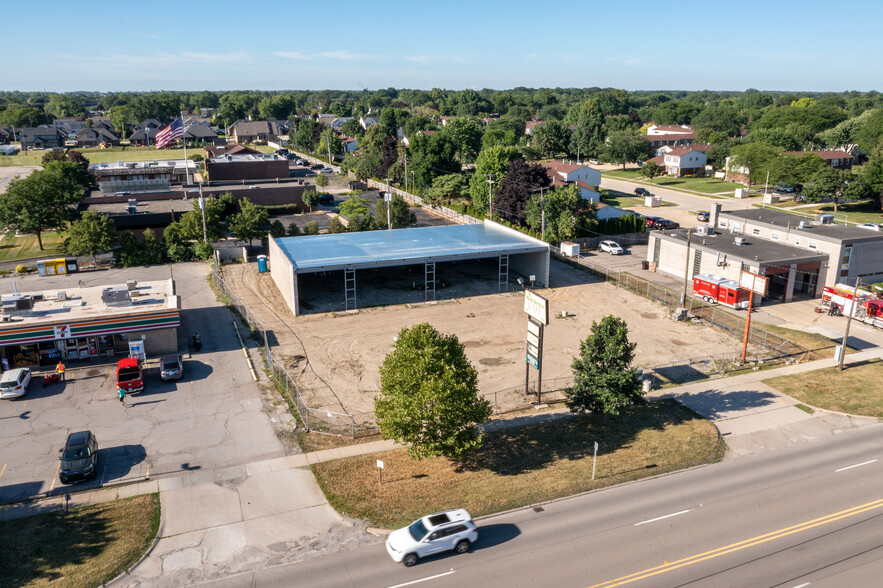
(538,509)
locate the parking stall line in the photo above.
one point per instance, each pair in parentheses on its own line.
(55,477)
(3,470)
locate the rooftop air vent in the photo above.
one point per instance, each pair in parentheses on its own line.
(740,240)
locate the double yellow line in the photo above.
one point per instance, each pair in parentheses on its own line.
(733,547)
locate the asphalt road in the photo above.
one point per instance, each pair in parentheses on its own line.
(806,516)
(687,204)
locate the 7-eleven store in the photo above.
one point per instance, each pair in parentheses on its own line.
(80,327)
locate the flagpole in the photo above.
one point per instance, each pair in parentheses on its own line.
(183,138)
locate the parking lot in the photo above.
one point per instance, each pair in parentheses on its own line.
(212,417)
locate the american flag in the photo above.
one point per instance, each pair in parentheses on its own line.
(170,133)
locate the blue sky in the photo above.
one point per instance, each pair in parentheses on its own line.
(635,45)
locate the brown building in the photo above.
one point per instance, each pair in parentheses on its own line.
(246,167)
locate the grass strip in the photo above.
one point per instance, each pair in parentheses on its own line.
(87,546)
(855,390)
(524,465)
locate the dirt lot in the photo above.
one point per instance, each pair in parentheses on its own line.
(336,356)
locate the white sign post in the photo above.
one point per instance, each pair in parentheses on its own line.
(380,469)
(594,459)
(537,309)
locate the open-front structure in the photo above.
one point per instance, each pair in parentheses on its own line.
(345,271)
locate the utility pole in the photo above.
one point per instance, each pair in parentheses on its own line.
(388,197)
(543,213)
(848,321)
(406,172)
(687,268)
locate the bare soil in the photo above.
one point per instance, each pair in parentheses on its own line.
(335,357)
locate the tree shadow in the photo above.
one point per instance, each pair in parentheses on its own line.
(509,452)
(714,404)
(10,493)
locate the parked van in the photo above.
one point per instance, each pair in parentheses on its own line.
(130,376)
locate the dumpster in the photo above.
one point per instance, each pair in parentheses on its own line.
(262,264)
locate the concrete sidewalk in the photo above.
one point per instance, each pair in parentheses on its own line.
(753,417)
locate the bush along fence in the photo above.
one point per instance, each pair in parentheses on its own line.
(313,419)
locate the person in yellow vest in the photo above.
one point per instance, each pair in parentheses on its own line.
(59,369)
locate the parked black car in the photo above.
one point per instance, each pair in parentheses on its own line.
(79,458)
(665,225)
(642,191)
(317,166)
(326,198)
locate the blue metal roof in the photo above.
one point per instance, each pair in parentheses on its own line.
(403,246)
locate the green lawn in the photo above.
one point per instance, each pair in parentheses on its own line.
(95,155)
(25,246)
(703,185)
(87,546)
(858,212)
(517,467)
(855,390)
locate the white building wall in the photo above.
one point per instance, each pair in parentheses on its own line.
(282,272)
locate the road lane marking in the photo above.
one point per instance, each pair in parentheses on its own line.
(733,547)
(55,477)
(674,514)
(804,585)
(3,470)
(854,466)
(423,579)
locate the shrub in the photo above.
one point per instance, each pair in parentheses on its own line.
(22,269)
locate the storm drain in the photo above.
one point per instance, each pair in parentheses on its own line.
(538,509)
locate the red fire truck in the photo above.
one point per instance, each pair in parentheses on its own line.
(718,290)
(844,297)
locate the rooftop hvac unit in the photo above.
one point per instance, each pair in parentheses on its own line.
(740,240)
(704,230)
(801,225)
(131,285)
(62,295)
(116,296)
(121,163)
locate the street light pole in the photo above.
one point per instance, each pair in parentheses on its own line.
(202,208)
(490,183)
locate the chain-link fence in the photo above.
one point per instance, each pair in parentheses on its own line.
(775,346)
(314,419)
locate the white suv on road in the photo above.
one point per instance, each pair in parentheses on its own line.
(436,533)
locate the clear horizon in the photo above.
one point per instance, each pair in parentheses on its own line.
(725,46)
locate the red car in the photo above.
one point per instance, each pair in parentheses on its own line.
(130,375)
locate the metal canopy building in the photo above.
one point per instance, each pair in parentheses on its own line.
(351,253)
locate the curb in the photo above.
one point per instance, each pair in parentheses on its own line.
(156,539)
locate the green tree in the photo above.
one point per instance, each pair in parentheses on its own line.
(310,198)
(151,247)
(43,201)
(552,139)
(130,253)
(329,137)
(429,395)
(250,222)
(277,229)
(72,171)
(492,163)
(626,147)
(336,226)
(90,234)
(754,157)
(311,228)
(650,170)
(400,214)
(322,180)
(465,133)
(446,189)
(603,379)
(293,229)
(189,226)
